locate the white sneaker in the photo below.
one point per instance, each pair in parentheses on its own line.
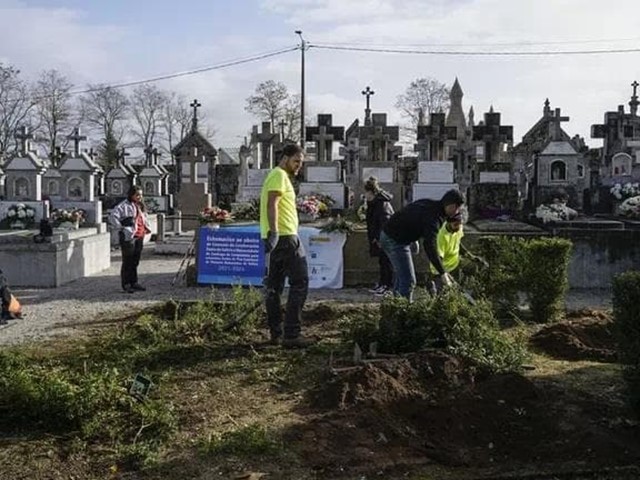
(376,289)
(383,292)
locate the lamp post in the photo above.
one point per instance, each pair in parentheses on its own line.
(303,46)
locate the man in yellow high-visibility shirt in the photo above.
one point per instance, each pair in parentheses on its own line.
(284,252)
(449,246)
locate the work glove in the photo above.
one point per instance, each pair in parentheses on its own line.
(447,281)
(271,241)
(415,248)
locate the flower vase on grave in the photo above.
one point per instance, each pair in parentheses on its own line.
(69,226)
(307,217)
(17,225)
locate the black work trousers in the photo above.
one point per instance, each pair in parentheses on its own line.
(131,251)
(287,260)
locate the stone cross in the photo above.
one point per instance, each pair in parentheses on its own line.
(156,153)
(555,129)
(324,135)
(435,135)
(266,139)
(148,152)
(378,137)
(634,99)
(77,138)
(282,124)
(122,154)
(350,154)
(493,135)
(23,136)
(194,121)
(367,92)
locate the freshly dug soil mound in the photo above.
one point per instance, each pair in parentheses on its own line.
(584,335)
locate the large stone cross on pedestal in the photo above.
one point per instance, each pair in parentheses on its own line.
(435,135)
(77,138)
(555,128)
(324,135)
(379,137)
(194,119)
(367,92)
(23,136)
(493,135)
(266,138)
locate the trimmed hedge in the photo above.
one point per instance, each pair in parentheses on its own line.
(626,313)
(537,268)
(546,277)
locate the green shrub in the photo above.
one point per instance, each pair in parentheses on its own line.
(245,441)
(546,277)
(449,321)
(626,313)
(501,282)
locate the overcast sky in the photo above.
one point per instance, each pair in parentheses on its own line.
(123,40)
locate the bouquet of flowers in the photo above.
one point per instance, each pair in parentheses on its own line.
(20,216)
(314,205)
(628,190)
(68,215)
(555,212)
(247,211)
(362,212)
(630,208)
(214,215)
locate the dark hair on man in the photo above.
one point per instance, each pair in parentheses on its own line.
(372,185)
(130,194)
(291,149)
(452,197)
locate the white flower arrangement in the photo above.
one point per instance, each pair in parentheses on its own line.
(555,212)
(630,208)
(20,216)
(628,190)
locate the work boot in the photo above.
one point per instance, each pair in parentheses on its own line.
(297,342)
(138,288)
(127,289)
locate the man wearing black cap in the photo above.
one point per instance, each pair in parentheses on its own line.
(420,219)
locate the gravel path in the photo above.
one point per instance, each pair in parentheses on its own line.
(59,311)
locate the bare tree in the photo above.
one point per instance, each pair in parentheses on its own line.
(291,116)
(54,109)
(426,95)
(106,109)
(268,101)
(147,105)
(16,105)
(176,120)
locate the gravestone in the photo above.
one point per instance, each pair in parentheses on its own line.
(433,137)
(387,175)
(78,173)
(266,140)
(252,186)
(492,137)
(324,135)
(120,177)
(325,178)
(435,178)
(378,138)
(195,160)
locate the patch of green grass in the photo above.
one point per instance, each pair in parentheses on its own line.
(245,441)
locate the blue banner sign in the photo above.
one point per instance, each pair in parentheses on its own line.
(230,256)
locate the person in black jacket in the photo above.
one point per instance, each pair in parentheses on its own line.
(379,210)
(420,219)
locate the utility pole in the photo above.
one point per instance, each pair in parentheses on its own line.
(303,46)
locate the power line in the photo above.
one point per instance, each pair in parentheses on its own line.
(475,53)
(524,43)
(230,63)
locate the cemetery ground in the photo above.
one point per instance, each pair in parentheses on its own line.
(224,404)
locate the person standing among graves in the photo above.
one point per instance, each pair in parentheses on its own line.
(379,210)
(421,219)
(285,255)
(130,220)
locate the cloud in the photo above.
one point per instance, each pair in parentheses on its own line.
(37,38)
